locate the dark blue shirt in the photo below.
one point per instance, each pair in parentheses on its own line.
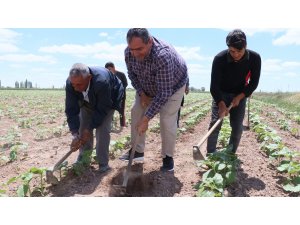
(105,93)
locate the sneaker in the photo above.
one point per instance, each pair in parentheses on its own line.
(137,156)
(168,164)
(103,169)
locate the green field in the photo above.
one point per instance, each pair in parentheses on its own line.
(288,101)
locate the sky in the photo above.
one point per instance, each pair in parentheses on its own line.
(45,55)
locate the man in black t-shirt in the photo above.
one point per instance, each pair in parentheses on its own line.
(234,77)
(110,66)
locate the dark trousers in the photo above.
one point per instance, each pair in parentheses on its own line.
(236,122)
(122,112)
(102,134)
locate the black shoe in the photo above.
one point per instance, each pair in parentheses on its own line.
(137,156)
(168,164)
(103,169)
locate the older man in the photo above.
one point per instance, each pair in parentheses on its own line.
(92,95)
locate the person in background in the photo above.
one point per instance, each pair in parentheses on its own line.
(234,77)
(92,96)
(159,75)
(111,67)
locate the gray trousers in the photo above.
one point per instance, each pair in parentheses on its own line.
(236,122)
(168,123)
(102,135)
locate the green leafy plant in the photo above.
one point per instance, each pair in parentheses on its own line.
(295,132)
(25,189)
(85,161)
(221,172)
(292,184)
(211,186)
(40,172)
(116,147)
(2,193)
(225,132)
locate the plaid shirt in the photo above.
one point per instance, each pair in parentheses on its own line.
(159,75)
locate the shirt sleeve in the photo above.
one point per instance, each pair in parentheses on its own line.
(164,81)
(255,69)
(72,109)
(215,83)
(131,75)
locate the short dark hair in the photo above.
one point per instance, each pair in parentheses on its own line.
(236,39)
(138,32)
(109,64)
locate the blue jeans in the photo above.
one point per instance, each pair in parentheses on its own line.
(236,122)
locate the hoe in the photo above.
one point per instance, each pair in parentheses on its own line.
(50,178)
(196,148)
(248,127)
(123,188)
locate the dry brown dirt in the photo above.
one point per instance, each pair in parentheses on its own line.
(255,175)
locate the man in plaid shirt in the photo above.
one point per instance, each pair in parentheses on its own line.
(159,75)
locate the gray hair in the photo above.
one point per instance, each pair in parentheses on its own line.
(79,69)
(140,33)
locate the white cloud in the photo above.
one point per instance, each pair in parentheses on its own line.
(100,48)
(291,64)
(291,37)
(276,65)
(292,74)
(105,50)
(198,69)
(103,34)
(8,47)
(23,58)
(110,56)
(190,53)
(7,35)
(253,31)
(8,38)
(271,65)
(16,65)
(280,75)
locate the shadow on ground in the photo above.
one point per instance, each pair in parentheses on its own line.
(153,184)
(71,185)
(244,184)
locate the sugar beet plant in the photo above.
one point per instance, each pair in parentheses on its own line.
(287,160)
(222,166)
(117,146)
(81,166)
(25,188)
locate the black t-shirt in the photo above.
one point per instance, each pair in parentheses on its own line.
(231,77)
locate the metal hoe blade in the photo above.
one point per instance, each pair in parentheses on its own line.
(197,155)
(50,178)
(122,189)
(128,169)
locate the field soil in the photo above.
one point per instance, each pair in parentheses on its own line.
(256,176)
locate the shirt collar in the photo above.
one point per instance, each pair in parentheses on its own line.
(245,57)
(88,88)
